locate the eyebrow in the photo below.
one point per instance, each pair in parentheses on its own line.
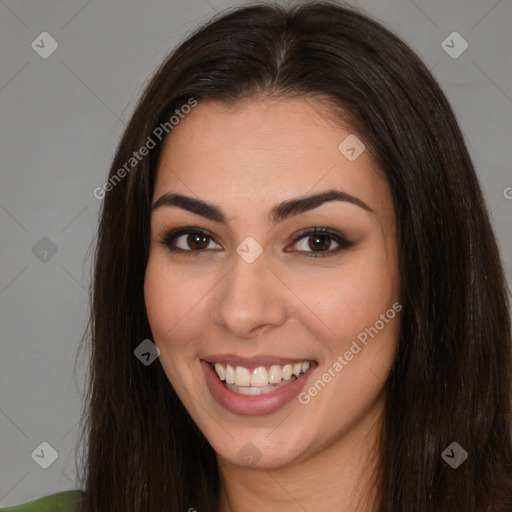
(279,213)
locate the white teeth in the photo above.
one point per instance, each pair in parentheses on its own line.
(242,376)
(230,374)
(274,374)
(220,371)
(260,378)
(247,390)
(287,371)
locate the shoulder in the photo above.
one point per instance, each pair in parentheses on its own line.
(66,501)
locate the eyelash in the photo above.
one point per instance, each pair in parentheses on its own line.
(170,236)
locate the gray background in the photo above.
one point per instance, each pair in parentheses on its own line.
(61,119)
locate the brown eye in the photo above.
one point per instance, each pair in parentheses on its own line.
(318,243)
(187,241)
(196,241)
(313,243)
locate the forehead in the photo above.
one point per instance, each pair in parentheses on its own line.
(262,151)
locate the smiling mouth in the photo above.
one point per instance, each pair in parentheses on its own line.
(259,380)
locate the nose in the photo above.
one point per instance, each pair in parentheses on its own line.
(251,300)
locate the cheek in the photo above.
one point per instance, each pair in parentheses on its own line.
(169,302)
(360,306)
(353,298)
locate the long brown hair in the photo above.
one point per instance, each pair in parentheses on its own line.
(451,381)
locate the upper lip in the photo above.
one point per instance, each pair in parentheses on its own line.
(253,361)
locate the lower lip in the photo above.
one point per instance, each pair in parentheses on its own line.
(253,405)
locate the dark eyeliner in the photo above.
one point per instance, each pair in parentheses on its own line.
(338,237)
(170,236)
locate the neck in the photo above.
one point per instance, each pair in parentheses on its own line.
(339,476)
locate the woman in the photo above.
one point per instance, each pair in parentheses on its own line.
(298,299)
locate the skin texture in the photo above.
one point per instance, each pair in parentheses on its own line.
(246,159)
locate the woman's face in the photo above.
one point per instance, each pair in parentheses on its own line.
(250,286)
